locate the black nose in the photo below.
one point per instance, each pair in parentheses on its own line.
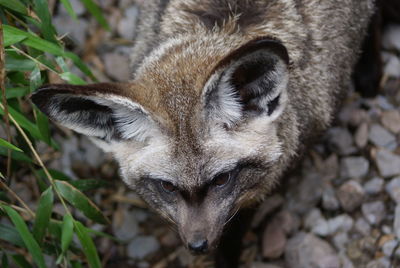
(199,246)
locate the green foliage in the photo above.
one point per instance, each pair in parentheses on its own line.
(32,51)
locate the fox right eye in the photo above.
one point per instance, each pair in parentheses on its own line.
(168,187)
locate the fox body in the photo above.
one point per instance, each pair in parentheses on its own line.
(225,94)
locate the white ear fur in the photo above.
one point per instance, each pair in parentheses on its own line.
(222,98)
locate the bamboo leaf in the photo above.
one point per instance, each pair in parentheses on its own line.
(10,234)
(16,155)
(15,5)
(67,232)
(16,92)
(80,201)
(88,246)
(43,125)
(4,261)
(21,261)
(9,145)
(69,9)
(42,10)
(96,12)
(43,214)
(26,236)
(72,78)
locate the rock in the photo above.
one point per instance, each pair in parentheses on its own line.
(127,25)
(393,189)
(374,186)
(389,247)
(361,135)
(383,103)
(391,37)
(388,163)
(311,217)
(345,261)
(288,221)
(381,137)
(329,200)
(350,195)
(129,227)
(340,223)
(264,265)
(362,226)
(117,66)
(341,140)
(374,212)
(396,222)
(142,246)
(306,250)
(354,167)
(273,241)
(379,263)
(391,120)
(270,204)
(340,240)
(392,65)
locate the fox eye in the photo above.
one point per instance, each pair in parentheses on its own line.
(222,179)
(168,187)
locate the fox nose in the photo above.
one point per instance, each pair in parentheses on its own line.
(198,247)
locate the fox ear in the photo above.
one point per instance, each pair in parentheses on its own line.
(101,110)
(249,82)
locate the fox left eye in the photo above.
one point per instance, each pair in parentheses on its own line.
(222,179)
(168,187)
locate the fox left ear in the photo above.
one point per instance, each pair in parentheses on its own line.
(251,81)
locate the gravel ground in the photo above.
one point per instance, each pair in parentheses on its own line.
(341,208)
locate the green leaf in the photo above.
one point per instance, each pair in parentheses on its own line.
(57,175)
(67,232)
(15,5)
(96,12)
(42,10)
(27,237)
(12,39)
(11,235)
(72,78)
(4,261)
(16,155)
(89,184)
(69,9)
(43,124)
(35,78)
(21,261)
(43,214)
(9,145)
(80,201)
(61,62)
(88,246)
(16,92)
(76,264)
(19,65)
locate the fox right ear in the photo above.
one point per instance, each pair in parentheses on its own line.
(251,81)
(102,110)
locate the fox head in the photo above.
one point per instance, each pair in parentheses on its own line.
(197,133)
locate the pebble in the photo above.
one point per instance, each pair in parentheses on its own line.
(129,227)
(391,120)
(273,240)
(374,211)
(396,222)
(354,167)
(381,137)
(329,200)
(361,135)
(362,226)
(340,223)
(127,25)
(307,250)
(388,163)
(393,189)
(389,247)
(340,240)
(350,195)
(392,66)
(341,140)
(270,204)
(391,37)
(374,186)
(264,265)
(142,246)
(117,66)
(379,263)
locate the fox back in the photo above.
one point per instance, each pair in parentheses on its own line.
(224,95)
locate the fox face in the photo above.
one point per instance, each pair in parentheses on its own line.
(197,133)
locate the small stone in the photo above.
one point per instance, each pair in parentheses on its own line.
(361,135)
(288,221)
(362,226)
(392,65)
(340,223)
(391,120)
(329,200)
(307,250)
(264,265)
(129,227)
(117,66)
(388,163)
(350,195)
(270,204)
(341,140)
(127,25)
(274,240)
(391,37)
(311,217)
(340,240)
(396,223)
(374,212)
(383,102)
(142,246)
(374,186)
(379,263)
(345,261)
(381,137)
(354,167)
(389,247)
(393,189)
